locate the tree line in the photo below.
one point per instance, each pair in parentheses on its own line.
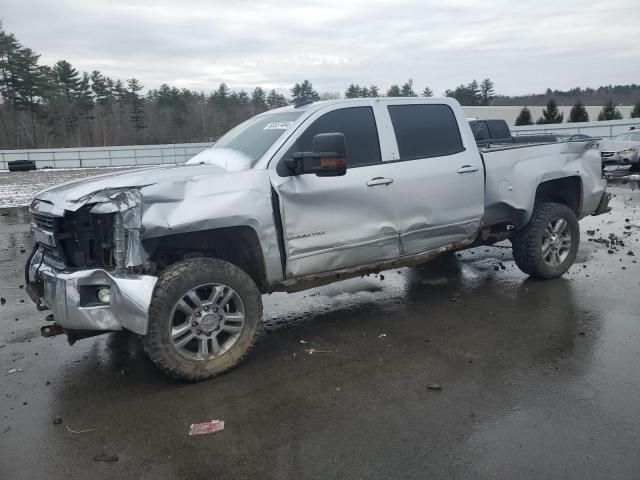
(618,94)
(44,106)
(578,113)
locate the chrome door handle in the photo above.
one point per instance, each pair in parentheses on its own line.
(467,169)
(379,181)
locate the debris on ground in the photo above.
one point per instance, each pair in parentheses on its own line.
(382,335)
(206,427)
(57,421)
(105,457)
(311,351)
(3,301)
(14,370)
(436,387)
(80,431)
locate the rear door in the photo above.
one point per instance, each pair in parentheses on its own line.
(333,223)
(438,176)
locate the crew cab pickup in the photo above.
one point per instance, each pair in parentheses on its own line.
(290,199)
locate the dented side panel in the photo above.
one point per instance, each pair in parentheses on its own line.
(226,200)
(513,175)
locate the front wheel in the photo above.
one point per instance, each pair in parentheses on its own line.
(547,246)
(204,317)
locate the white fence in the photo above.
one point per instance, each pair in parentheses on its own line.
(105,156)
(605,129)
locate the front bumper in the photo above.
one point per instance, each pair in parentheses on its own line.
(69,295)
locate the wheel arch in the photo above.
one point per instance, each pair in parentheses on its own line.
(564,190)
(239,245)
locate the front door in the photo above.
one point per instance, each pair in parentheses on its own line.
(333,223)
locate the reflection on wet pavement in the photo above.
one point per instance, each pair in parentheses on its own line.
(539,379)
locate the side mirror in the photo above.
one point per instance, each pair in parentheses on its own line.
(327,159)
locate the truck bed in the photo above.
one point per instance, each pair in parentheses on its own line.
(512,169)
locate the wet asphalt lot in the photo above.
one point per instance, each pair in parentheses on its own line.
(539,379)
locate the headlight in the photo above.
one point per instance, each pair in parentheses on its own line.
(627,153)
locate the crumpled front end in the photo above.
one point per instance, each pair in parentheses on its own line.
(82,264)
(73,297)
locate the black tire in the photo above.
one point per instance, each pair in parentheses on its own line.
(179,278)
(527,242)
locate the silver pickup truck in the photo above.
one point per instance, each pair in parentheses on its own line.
(290,199)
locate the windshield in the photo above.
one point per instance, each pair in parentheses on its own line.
(240,147)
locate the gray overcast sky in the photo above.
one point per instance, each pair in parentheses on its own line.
(523,46)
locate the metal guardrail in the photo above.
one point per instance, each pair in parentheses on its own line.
(604,129)
(105,156)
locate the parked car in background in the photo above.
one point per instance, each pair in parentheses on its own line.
(623,149)
(572,137)
(496,132)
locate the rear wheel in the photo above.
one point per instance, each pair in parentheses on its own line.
(204,317)
(547,246)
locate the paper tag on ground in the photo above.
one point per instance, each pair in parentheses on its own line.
(206,427)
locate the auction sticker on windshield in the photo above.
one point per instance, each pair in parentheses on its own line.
(277,125)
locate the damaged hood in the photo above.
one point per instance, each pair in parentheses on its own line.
(73,195)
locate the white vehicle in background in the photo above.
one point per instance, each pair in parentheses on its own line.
(623,149)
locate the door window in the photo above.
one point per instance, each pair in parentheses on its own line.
(425,130)
(360,133)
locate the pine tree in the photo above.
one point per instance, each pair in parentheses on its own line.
(427,92)
(353,91)
(29,81)
(487,92)
(524,117)
(276,100)
(374,92)
(578,113)
(67,79)
(304,91)
(407,89)
(468,95)
(609,112)
(474,93)
(551,114)
(101,88)
(136,104)
(259,100)
(220,97)
(394,91)
(9,52)
(84,100)
(635,113)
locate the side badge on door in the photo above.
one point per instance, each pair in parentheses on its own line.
(305,235)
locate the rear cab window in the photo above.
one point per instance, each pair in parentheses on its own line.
(360,133)
(425,130)
(480,130)
(499,129)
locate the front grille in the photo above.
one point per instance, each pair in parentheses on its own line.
(43,222)
(606,154)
